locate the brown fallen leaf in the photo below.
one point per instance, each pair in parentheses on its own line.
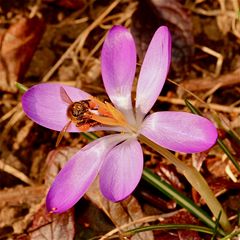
(18,45)
(52,226)
(219,186)
(121,213)
(187,234)
(169,174)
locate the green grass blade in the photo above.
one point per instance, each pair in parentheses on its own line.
(182,200)
(169,227)
(21,87)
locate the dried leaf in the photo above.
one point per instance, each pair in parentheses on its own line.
(221,184)
(218,185)
(120,213)
(233,202)
(52,226)
(191,235)
(170,175)
(18,45)
(180,217)
(166,236)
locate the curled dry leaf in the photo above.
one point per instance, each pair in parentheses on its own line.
(180,217)
(219,186)
(153,13)
(52,226)
(18,45)
(187,234)
(121,213)
(170,175)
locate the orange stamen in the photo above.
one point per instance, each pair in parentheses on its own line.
(109,115)
(104,120)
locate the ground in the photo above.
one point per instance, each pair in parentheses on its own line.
(60,41)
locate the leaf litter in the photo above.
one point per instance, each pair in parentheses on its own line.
(67,45)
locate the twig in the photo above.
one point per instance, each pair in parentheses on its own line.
(16,173)
(203,84)
(141,220)
(14,196)
(217,55)
(214,106)
(79,42)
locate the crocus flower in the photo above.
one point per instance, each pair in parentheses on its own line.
(117,158)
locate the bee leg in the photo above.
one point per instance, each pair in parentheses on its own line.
(85,126)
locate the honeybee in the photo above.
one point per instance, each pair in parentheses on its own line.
(78,113)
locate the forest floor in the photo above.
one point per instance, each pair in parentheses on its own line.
(61,41)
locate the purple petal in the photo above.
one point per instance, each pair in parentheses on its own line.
(43,104)
(80,171)
(121,170)
(118,63)
(154,71)
(180,131)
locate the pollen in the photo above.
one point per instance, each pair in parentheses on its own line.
(54,209)
(108,114)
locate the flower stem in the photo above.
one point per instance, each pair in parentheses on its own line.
(196,180)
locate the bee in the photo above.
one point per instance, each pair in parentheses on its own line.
(78,113)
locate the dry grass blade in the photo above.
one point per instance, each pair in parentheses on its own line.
(213,106)
(16,173)
(13,196)
(79,42)
(215,54)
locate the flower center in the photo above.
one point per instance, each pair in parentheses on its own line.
(107,114)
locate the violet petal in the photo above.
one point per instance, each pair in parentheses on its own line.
(153,72)
(121,170)
(43,104)
(118,63)
(180,131)
(80,171)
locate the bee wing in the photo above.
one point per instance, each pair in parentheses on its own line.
(61,134)
(65,96)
